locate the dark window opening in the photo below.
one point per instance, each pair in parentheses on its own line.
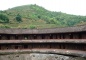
(16,37)
(43,37)
(0,37)
(25,46)
(59,36)
(8,37)
(25,37)
(51,36)
(80,37)
(35,37)
(71,36)
(16,47)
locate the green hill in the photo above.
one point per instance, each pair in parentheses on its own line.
(34,16)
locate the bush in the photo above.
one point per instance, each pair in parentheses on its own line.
(4,18)
(4,26)
(32,27)
(18,18)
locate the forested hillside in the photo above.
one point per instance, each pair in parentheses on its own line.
(34,16)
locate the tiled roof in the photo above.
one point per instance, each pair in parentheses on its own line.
(43,31)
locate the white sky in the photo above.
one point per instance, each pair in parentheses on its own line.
(76,7)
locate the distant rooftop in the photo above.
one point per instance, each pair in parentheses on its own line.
(43,31)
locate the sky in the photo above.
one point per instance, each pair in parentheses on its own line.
(75,7)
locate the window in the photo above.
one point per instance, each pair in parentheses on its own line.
(16,47)
(25,46)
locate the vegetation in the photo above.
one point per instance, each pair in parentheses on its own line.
(4,18)
(32,27)
(18,18)
(33,16)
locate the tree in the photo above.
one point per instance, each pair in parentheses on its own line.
(4,18)
(18,18)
